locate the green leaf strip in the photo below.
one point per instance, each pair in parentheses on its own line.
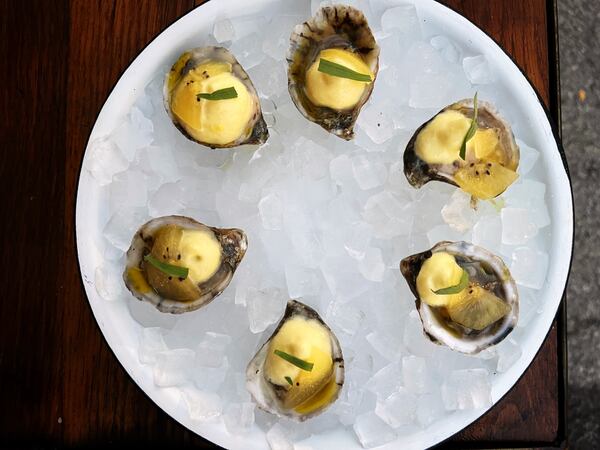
(169,269)
(337,70)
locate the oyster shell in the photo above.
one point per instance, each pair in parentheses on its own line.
(216,124)
(488,273)
(210,254)
(280,387)
(332,27)
(485,173)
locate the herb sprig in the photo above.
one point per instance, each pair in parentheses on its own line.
(470,132)
(300,363)
(221,94)
(169,269)
(462,284)
(337,70)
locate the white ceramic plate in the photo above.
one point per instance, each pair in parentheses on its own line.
(121,330)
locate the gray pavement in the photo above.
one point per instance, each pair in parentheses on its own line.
(579,37)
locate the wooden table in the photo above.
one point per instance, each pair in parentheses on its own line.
(60,385)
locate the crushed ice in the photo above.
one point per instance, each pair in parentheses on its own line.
(327,221)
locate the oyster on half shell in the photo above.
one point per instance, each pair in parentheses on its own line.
(491,158)
(165,246)
(482,314)
(341,35)
(299,371)
(216,123)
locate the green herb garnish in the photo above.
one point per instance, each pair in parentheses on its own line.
(471,131)
(463,283)
(221,94)
(300,363)
(169,269)
(289,380)
(337,70)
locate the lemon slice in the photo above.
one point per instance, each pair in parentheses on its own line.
(478,309)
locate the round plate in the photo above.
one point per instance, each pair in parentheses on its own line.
(121,330)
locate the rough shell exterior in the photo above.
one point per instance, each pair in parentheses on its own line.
(418,172)
(264,393)
(256,133)
(495,277)
(233,244)
(335,26)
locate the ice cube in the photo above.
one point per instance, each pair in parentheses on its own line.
(342,278)
(341,171)
(202,406)
(414,337)
(239,417)
(277,40)
(518,226)
(477,70)
(430,408)
(467,389)
(270,78)
(398,409)
(528,306)
(402,19)
(416,375)
(386,381)
(458,212)
(444,233)
(376,120)
(127,190)
(223,31)
(108,281)
(446,47)
(309,159)
(429,90)
(372,431)
(368,174)
(372,266)
(265,306)
(246,25)
(104,159)
(529,267)
(387,215)
(173,367)
(530,195)
(509,352)
(122,226)
(166,201)
(211,350)
(301,281)
(158,162)
(358,240)
(270,208)
(348,318)
(134,133)
(248,51)
(152,342)
(527,158)
(487,232)
(278,438)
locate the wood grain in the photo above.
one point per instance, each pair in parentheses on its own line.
(60,384)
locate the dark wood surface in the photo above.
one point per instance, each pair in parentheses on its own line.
(60,385)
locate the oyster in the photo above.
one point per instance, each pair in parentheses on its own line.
(299,371)
(491,158)
(465,313)
(227,120)
(179,264)
(340,35)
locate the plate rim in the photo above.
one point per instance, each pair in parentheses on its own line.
(555,135)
